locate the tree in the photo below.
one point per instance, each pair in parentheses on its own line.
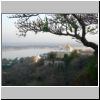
(52,56)
(75,25)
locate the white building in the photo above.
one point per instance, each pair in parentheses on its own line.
(69,48)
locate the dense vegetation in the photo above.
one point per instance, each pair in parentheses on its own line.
(78,70)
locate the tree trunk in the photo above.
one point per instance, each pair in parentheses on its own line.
(90,44)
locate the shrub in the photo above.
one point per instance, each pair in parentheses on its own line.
(89,74)
(80,70)
(69,58)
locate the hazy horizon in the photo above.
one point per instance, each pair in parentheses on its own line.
(41,44)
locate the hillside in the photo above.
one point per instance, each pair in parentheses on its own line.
(72,70)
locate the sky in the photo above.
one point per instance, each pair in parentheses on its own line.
(9,35)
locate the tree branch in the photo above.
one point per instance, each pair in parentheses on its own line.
(82,24)
(23,15)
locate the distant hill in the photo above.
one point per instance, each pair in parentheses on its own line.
(27,46)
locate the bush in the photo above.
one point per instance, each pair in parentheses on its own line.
(51,55)
(5,66)
(69,58)
(80,70)
(88,76)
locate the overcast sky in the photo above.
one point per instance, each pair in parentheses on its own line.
(9,35)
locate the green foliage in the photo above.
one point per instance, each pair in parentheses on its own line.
(89,29)
(89,74)
(74,25)
(69,27)
(6,66)
(78,70)
(74,54)
(92,67)
(45,25)
(69,58)
(51,55)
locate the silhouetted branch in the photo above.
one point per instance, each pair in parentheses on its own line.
(60,24)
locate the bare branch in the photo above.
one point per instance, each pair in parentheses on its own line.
(59,24)
(22,15)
